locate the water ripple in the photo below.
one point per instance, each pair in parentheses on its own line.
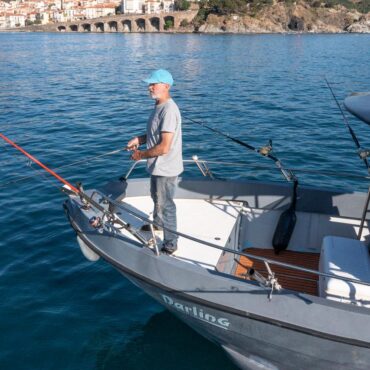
(68,97)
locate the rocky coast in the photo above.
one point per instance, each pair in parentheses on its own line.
(283,18)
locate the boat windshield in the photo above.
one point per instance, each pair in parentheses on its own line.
(359,105)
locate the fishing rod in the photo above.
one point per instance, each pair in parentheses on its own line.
(352,133)
(264,151)
(287,220)
(362,154)
(78,191)
(35,160)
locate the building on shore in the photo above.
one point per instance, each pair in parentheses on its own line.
(20,13)
(10,20)
(147,6)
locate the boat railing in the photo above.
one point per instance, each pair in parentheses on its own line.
(204,167)
(289,174)
(120,206)
(200,163)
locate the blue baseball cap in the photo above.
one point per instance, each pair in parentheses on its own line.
(160,76)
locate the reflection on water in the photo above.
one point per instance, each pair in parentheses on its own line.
(165,343)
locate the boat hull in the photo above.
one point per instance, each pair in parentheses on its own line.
(256,344)
(292,331)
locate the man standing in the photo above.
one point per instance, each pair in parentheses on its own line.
(164,154)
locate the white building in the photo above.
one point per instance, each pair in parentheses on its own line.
(133,6)
(40,5)
(70,14)
(153,6)
(3,21)
(100,10)
(148,6)
(4,7)
(45,17)
(32,16)
(58,16)
(15,20)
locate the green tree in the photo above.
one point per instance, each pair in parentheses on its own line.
(227,7)
(168,24)
(182,4)
(362,6)
(184,23)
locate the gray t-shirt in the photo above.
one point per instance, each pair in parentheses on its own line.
(165,118)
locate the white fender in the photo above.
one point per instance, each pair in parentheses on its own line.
(86,251)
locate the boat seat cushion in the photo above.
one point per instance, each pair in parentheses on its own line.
(346,258)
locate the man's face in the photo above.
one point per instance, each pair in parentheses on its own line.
(158,90)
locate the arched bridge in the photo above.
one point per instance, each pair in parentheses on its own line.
(159,22)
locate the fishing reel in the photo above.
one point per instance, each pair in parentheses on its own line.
(85,204)
(96,222)
(363,153)
(106,222)
(265,150)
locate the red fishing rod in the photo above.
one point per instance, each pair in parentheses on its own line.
(28,155)
(86,200)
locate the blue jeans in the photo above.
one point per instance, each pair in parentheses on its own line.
(162,190)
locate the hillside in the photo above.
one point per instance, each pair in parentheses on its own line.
(264,16)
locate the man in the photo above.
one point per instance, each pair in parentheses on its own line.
(164,154)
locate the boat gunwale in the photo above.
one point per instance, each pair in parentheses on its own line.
(281,182)
(233,251)
(255,166)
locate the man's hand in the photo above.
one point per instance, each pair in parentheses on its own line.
(133,144)
(137,155)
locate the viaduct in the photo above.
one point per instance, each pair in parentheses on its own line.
(126,23)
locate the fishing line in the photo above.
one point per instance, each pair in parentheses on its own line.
(35,160)
(45,178)
(264,151)
(5,184)
(287,219)
(345,120)
(12,156)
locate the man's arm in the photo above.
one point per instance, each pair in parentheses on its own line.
(136,142)
(163,147)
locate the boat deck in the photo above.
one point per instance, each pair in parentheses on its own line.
(299,281)
(210,220)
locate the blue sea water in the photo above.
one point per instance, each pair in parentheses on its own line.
(67,98)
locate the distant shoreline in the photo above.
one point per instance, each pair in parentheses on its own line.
(300,17)
(287,33)
(276,19)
